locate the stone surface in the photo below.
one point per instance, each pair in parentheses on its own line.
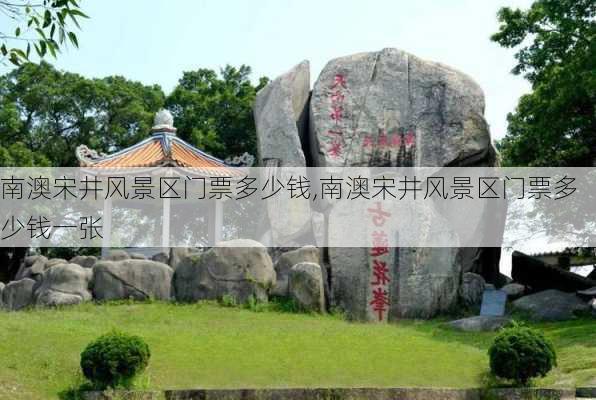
(84,261)
(54,261)
(514,290)
(479,323)
(136,279)
(550,305)
(587,294)
(305,286)
(18,294)
(280,112)
(285,263)
(117,255)
(238,268)
(64,284)
(162,258)
(471,289)
(33,267)
(435,111)
(177,254)
(137,256)
(1,290)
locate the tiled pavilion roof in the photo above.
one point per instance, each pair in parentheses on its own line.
(162,149)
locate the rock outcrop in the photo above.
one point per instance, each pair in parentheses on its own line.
(387,108)
(238,268)
(132,279)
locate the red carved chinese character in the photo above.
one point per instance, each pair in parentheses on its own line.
(367,142)
(336,113)
(380,302)
(335,149)
(380,244)
(334,132)
(381,273)
(337,97)
(379,216)
(383,139)
(395,140)
(339,80)
(410,138)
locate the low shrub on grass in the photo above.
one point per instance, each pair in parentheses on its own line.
(114,359)
(520,353)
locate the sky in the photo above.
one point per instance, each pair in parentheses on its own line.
(154,41)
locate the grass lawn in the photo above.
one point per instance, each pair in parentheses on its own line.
(207,345)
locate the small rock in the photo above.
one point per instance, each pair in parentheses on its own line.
(471,289)
(285,263)
(479,323)
(84,261)
(550,305)
(18,294)
(305,286)
(514,290)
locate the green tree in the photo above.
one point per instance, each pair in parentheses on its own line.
(43,26)
(214,112)
(52,112)
(554,125)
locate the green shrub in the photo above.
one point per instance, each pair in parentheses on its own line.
(520,353)
(114,359)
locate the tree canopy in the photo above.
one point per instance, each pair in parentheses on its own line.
(555,124)
(43,26)
(46,113)
(214,112)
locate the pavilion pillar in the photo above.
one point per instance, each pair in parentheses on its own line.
(215,221)
(165,224)
(106,241)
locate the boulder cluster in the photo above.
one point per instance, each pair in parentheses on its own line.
(240,269)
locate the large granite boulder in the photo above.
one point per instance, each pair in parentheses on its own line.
(84,261)
(285,263)
(391,108)
(18,295)
(237,268)
(54,261)
(550,305)
(136,279)
(281,111)
(305,286)
(64,284)
(471,289)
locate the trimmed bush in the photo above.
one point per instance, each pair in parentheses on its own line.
(520,353)
(114,359)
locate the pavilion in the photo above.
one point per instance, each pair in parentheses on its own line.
(161,149)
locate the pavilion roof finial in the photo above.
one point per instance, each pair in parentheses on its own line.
(163,122)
